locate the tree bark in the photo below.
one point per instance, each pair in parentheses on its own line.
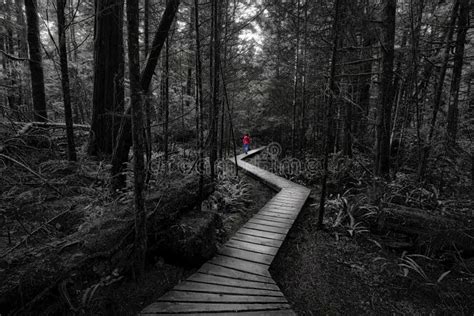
(166,98)
(199,98)
(36,62)
(382,148)
(329,116)
(71,148)
(463,25)
(108,95)
(137,135)
(215,63)
(295,81)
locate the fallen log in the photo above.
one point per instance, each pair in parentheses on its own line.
(430,231)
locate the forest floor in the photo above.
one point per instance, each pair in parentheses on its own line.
(130,297)
(370,260)
(65,240)
(335,274)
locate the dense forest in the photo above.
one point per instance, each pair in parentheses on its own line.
(121,120)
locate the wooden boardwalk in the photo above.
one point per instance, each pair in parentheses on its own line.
(237,281)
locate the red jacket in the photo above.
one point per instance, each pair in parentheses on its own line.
(246,140)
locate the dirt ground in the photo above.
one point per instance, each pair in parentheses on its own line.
(334,274)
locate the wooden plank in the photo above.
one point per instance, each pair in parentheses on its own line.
(252,247)
(291,209)
(257,240)
(218,270)
(278,215)
(265,228)
(190,286)
(178,307)
(273,219)
(194,297)
(246,255)
(222,280)
(284,207)
(241,265)
(282,312)
(256,220)
(280,211)
(258,233)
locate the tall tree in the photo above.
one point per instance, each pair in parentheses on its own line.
(382,147)
(71,149)
(108,95)
(137,132)
(329,115)
(199,97)
(463,25)
(215,101)
(36,61)
(295,80)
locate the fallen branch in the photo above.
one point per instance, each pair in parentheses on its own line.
(32,172)
(30,234)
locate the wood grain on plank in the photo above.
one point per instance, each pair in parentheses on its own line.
(265,228)
(241,265)
(222,280)
(277,215)
(252,247)
(213,269)
(256,220)
(258,240)
(258,233)
(191,286)
(178,307)
(246,255)
(193,297)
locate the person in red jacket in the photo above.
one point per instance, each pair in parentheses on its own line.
(246,141)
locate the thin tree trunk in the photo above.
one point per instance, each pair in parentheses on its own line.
(199,99)
(146,26)
(137,132)
(36,62)
(166,97)
(328,120)
(295,81)
(463,25)
(71,148)
(382,148)
(148,140)
(215,62)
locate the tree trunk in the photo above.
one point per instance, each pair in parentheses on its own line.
(199,99)
(146,26)
(382,148)
(329,116)
(166,98)
(71,148)
(295,81)
(36,62)
(137,132)
(108,95)
(463,25)
(215,62)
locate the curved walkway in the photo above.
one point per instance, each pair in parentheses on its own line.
(237,281)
